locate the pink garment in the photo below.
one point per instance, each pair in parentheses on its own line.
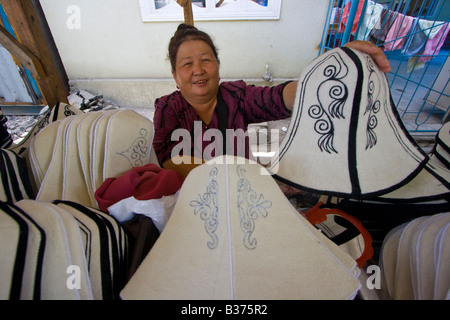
(433,46)
(399,29)
(346,13)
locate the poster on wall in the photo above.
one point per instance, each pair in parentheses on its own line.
(204,10)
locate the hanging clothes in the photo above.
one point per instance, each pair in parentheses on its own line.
(395,38)
(371,19)
(423,32)
(346,13)
(434,45)
(387,18)
(416,40)
(430,28)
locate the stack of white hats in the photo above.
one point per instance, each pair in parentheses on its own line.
(72,157)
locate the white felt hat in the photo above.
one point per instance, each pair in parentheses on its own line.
(60,251)
(33,256)
(41,150)
(234,235)
(16,182)
(57,255)
(51,186)
(414,260)
(106,246)
(425,253)
(345,137)
(14,242)
(442,147)
(72,157)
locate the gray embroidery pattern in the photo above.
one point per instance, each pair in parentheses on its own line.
(331,94)
(373,104)
(250,206)
(137,153)
(206,207)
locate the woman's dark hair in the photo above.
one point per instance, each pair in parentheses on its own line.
(185,33)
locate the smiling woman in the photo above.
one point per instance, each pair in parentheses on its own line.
(197,77)
(201,101)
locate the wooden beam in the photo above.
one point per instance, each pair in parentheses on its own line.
(32,31)
(22,54)
(187,8)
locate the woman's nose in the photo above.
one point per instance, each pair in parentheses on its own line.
(197,68)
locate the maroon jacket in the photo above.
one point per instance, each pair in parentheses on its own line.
(246,104)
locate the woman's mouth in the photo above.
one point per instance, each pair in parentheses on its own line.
(200,82)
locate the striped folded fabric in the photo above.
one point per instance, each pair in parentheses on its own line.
(5,136)
(60,250)
(15,181)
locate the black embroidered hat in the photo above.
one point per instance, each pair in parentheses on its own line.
(346,137)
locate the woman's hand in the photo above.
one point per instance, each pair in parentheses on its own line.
(371,49)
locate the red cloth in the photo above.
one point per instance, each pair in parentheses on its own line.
(346,13)
(144,183)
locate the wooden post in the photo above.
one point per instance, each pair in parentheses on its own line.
(187,8)
(33,33)
(22,54)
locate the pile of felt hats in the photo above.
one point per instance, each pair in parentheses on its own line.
(415,260)
(60,251)
(72,157)
(56,243)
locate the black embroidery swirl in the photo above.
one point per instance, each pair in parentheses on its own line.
(373,104)
(331,94)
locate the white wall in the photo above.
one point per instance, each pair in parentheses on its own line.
(114,44)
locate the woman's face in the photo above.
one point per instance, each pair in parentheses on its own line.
(197,72)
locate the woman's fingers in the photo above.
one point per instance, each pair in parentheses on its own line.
(371,49)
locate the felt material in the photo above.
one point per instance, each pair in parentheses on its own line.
(74,183)
(422,256)
(51,187)
(442,147)
(345,137)
(238,237)
(15,180)
(126,149)
(57,255)
(41,151)
(433,182)
(74,247)
(442,260)
(402,282)
(388,261)
(34,256)
(107,253)
(85,149)
(93,235)
(97,150)
(414,260)
(60,251)
(13,235)
(143,182)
